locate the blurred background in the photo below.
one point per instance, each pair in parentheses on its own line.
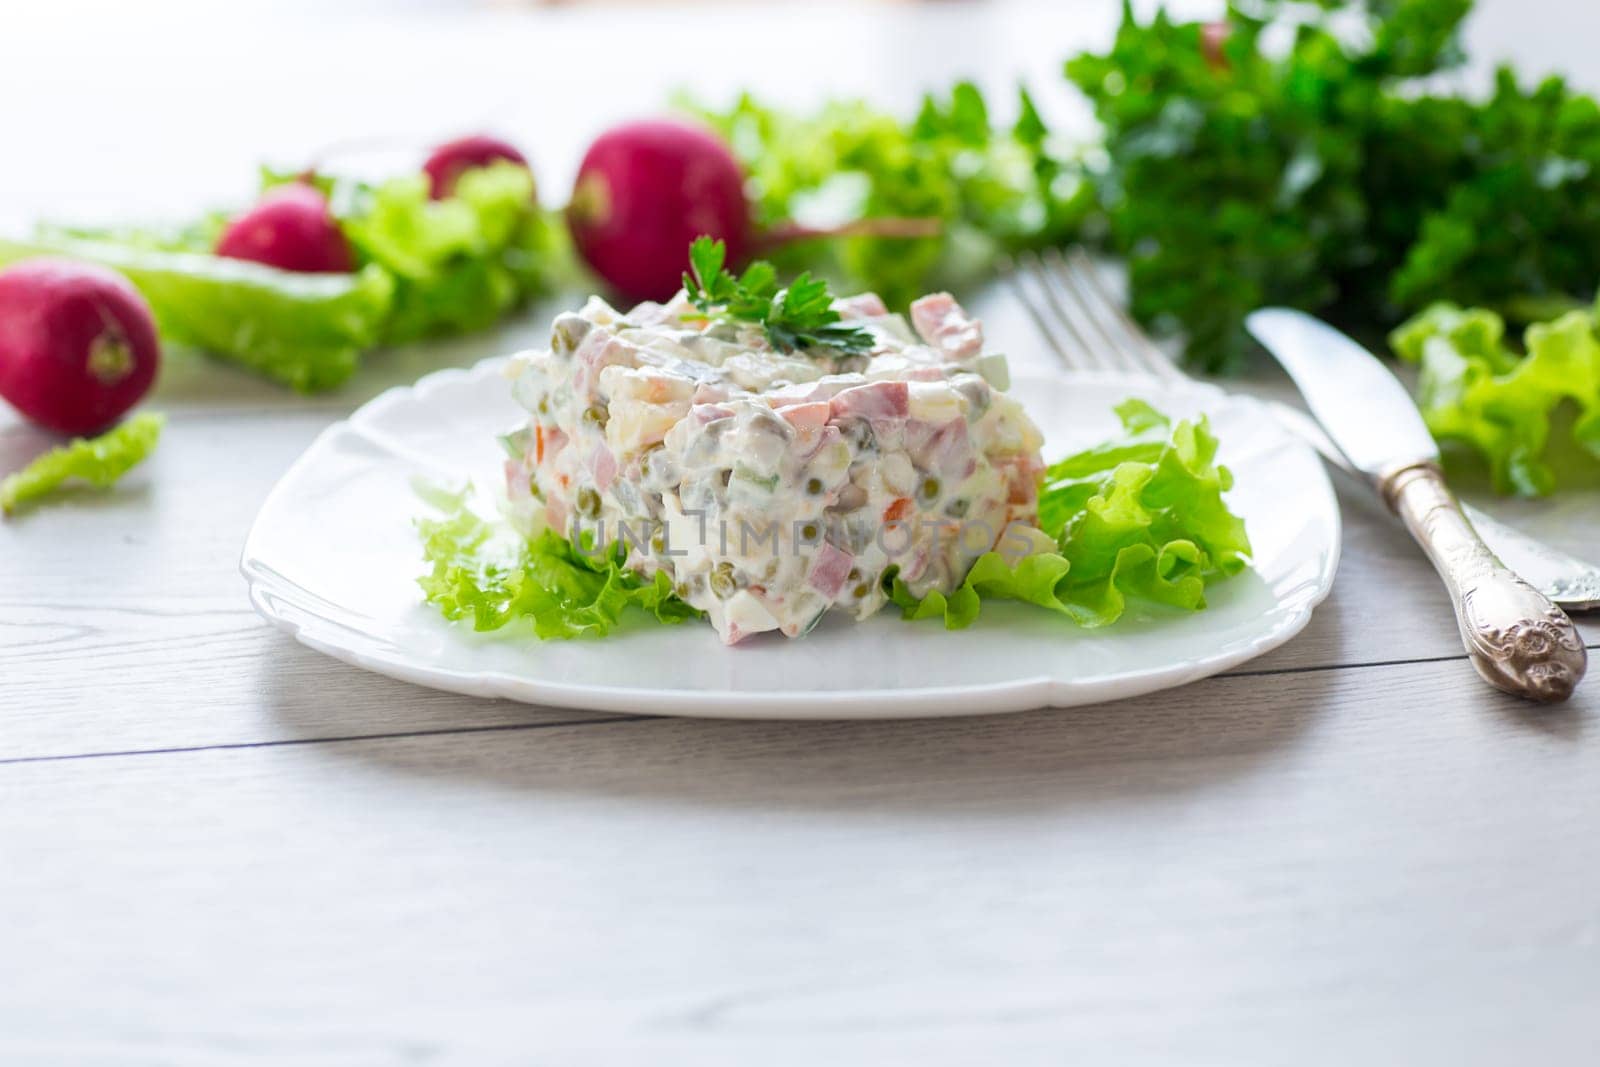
(130,110)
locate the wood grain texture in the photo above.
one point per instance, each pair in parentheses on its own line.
(1208,876)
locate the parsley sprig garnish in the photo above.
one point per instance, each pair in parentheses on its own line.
(798,317)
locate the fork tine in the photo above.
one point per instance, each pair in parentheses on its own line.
(1086,302)
(1109,355)
(1068,314)
(1050,323)
(1115,324)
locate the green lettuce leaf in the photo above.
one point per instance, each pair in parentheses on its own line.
(1476,391)
(97,461)
(305,330)
(994,188)
(426,268)
(1139,517)
(483,572)
(459,264)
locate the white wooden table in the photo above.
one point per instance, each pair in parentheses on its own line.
(217,847)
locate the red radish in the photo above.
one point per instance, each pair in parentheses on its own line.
(450,160)
(647,189)
(77,344)
(290,228)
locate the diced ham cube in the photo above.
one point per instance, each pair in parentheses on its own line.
(830,568)
(704,413)
(807,418)
(603,465)
(707,393)
(875,400)
(517,487)
(943,323)
(950,451)
(554,442)
(860,306)
(599,350)
(556,514)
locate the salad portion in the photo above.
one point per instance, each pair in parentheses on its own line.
(762,456)
(773,486)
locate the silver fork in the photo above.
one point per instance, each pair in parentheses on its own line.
(1068,299)
(1080,320)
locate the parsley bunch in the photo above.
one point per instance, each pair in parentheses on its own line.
(798,317)
(1319,177)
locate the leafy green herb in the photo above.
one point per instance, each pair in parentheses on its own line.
(1521,230)
(1141,517)
(995,188)
(487,573)
(97,461)
(798,317)
(1323,177)
(1477,392)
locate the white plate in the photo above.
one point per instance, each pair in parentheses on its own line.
(333,557)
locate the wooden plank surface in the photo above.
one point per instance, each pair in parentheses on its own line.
(1397,861)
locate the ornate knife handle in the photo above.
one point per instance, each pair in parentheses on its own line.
(1517,639)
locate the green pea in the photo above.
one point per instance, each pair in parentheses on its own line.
(814,486)
(588,503)
(723,583)
(928,491)
(596,415)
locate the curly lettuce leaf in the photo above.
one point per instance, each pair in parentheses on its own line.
(462,263)
(306,331)
(427,268)
(1139,517)
(98,461)
(994,188)
(483,572)
(1474,390)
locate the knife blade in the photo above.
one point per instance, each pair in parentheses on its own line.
(1572,583)
(1359,402)
(1516,638)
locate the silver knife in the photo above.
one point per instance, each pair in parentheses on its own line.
(1569,581)
(1517,639)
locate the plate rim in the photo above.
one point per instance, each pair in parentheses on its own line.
(270,594)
